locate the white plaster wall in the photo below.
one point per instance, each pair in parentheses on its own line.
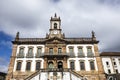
(34,48)
(33,63)
(118,63)
(104,60)
(111,67)
(86,59)
(66,76)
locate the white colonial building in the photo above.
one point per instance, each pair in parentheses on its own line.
(55,57)
(111,62)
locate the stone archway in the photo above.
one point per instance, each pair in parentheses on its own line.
(60,65)
(50,64)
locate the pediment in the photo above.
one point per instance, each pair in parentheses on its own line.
(55,40)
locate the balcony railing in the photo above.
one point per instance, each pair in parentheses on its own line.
(55,70)
(29,55)
(38,55)
(90,54)
(81,55)
(71,54)
(20,55)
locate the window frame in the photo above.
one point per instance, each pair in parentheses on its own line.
(19,61)
(72,67)
(92,66)
(28,69)
(38,61)
(83,64)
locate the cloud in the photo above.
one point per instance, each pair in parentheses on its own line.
(31,18)
(3,65)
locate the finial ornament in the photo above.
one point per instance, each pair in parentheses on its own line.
(55,15)
(93,34)
(17,36)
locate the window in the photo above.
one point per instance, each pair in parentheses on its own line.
(114,63)
(55,25)
(92,66)
(51,51)
(21,51)
(18,68)
(59,50)
(82,66)
(28,66)
(89,51)
(119,61)
(72,66)
(116,70)
(38,66)
(30,51)
(109,71)
(80,52)
(107,63)
(39,50)
(71,52)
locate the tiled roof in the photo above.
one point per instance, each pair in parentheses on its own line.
(110,54)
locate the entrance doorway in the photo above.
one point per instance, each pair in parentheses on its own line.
(60,65)
(50,64)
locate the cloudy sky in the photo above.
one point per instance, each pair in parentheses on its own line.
(79,18)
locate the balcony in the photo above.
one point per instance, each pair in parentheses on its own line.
(38,55)
(29,55)
(71,54)
(90,54)
(81,55)
(59,55)
(20,55)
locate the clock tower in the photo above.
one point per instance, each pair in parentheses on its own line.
(55,27)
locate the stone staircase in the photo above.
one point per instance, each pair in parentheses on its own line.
(55,74)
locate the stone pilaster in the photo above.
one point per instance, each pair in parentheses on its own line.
(98,59)
(12,61)
(65,63)
(45,62)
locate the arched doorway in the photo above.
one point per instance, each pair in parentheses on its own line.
(50,64)
(60,65)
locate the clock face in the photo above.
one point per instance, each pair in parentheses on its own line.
(55,32)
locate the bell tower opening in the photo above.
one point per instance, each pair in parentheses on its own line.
(55,27)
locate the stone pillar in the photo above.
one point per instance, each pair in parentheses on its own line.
(12,61)
(98,59)
(55,63)
(45,63)
(65,63)
(64,50)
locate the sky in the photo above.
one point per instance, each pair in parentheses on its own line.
(79,18)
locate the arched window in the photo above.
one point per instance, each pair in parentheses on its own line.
(50,65)
(18,68)
(60,65)
(55,25)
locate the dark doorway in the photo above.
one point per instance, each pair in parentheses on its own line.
(60,65)
(50,64)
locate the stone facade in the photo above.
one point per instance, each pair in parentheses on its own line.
(56,54)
